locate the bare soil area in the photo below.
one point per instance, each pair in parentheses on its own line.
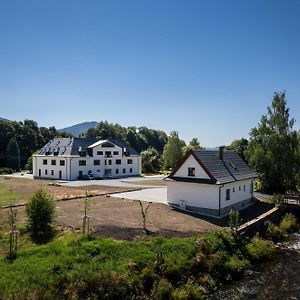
(23,189)
(122,219)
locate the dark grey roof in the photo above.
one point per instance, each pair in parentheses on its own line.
(59,146)
(72,146)
(123,145)
(231,168)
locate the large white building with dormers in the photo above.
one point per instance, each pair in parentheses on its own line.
(85,158)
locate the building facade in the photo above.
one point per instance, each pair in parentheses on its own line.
(76,158)
(211,183)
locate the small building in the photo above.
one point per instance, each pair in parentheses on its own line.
(211,183)
(85,158)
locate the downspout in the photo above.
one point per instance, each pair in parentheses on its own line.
(221,186)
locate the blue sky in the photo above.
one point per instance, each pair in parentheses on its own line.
(207,69)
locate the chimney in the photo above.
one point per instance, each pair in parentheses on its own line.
(221,152)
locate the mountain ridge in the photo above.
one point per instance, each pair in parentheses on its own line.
(79,128)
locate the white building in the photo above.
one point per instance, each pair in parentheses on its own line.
(76,158)
(211,183)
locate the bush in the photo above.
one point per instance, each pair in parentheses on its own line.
(237,266)
(288,223)
(274,232)
(190,291)
(258,248)
(40,211)
(277,199)
(4,171)
(163,290)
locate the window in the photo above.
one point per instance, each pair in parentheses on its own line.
(62,163)
(53,162)
(130,170)
(107,153)
(97,162)
(233,189)
(109,162)
(244,188)
(191,172)
(117,171)
(106,162)
(82,163)
(116,152)
(52,172)
(99,152)
(46,172)
(44,161)
(129,161)
(124,171)
(118,161)
(227,194)
(239,187)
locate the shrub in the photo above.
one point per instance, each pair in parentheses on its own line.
(4,171)
(288,223)
(190,291)
(258,248)
(237,266)
(277,199)
(163,290)
(40,211)
(274,232)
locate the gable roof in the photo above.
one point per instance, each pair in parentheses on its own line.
(71,146)
(229,169)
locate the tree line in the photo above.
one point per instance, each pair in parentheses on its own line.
(272,150)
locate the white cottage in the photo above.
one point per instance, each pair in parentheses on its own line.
(211,183)
(85,158)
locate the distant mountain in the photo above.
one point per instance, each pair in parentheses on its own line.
(2,119)
(79,128)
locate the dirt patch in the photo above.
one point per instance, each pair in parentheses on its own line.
(121,219)
(23,189)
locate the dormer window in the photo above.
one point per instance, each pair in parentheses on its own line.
(191,172)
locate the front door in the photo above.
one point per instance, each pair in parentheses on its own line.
(40,173)
(60,175)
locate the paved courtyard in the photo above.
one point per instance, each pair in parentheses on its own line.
(156,195)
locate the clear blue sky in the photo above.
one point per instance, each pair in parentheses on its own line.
(207,69)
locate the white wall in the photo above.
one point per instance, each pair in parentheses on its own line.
(238,195)
(38,165)
(71,169)
(191,162)
(195,194)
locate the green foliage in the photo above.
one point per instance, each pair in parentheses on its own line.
(28,166)
(190,291)
(40,211)
(288,223)
(240,147)
(234,220)
(4,171)
(193,145)
(274,232)
(163,290)
(277,199)
(172,153)
(151,162)
(237,266)
(139,138)
(258,248)
(272,148)
(29,138)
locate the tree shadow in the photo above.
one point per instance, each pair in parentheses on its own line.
(41,238)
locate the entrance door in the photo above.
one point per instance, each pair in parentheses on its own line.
(60,175)
(40,173)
